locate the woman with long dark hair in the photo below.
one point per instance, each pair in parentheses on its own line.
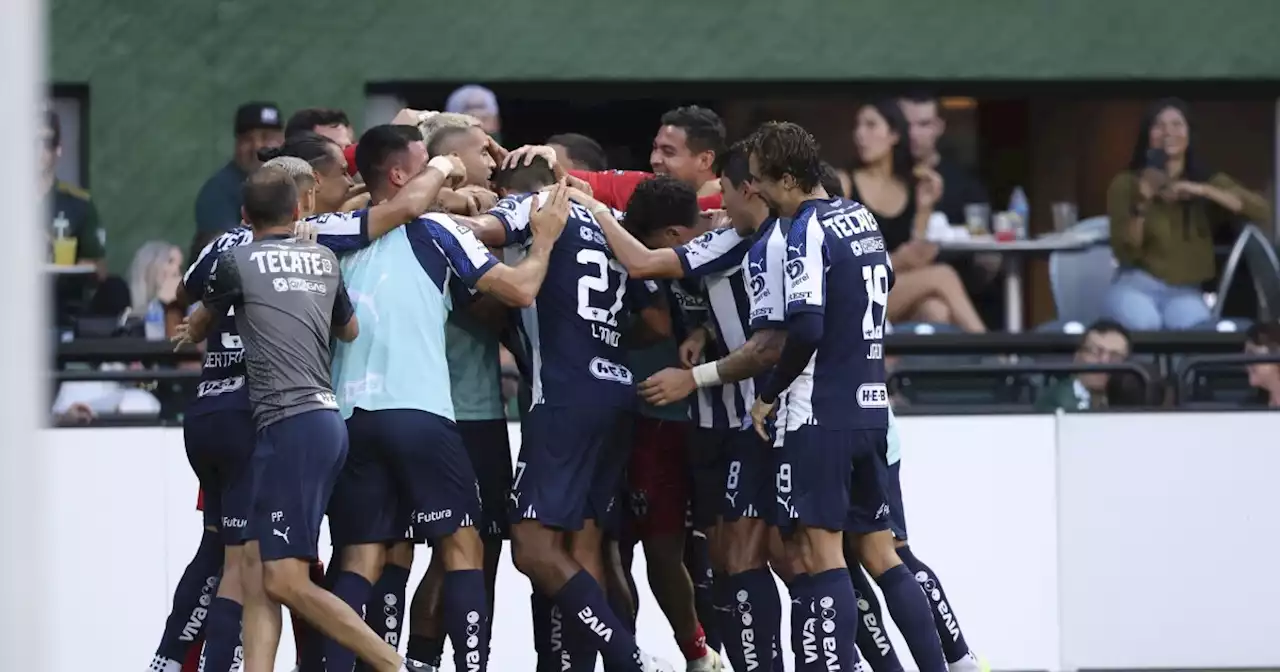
(1164,208)
(902,198)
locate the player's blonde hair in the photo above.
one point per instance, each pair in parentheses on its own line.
(442,120)
(303,174)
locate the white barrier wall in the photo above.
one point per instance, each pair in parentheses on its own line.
(1084,541)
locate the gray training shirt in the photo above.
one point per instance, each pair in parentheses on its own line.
(287,296)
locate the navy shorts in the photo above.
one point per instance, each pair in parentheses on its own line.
(570,465)
(893,495)
(407,470)
(219,448)
(295,464)
(708,454)
(748,478)
(833,479)
(489,446)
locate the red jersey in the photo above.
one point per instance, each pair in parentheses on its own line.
(614,187)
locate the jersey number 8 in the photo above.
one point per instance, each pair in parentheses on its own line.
(877,284)
(600,279)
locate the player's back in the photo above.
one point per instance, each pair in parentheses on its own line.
(574,328)
(837,265)
(222,376)
(288,291)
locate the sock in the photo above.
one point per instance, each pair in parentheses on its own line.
(696,647)
(873,641)
(427,650)
(944,618)
(698,562)
(910,611)
(804,640)
(192,661)
(386,609)
(778,665)
(308,640)
(548,634)
(835,612)
(466,618)
(354,590)
(587,613)
(753,619)
(191,600)
(222,636)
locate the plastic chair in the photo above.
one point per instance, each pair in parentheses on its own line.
(1080,278)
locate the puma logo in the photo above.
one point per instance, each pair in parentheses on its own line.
(756,266)
(283,535)
(797,249)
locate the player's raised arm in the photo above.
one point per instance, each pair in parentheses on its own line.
(416,196)
(640,261)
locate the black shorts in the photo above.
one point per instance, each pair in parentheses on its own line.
(489,446)
(295,465)
(571,463)
(833,479)
(407,475)
(708,453)
(749,475)
(219,448)
(893,494)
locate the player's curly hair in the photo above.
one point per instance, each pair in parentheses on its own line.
(783,148)
(660,202)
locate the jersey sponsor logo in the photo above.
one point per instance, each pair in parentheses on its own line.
(305,285)
(327,399)
(213,388)
(758,287)
(796,270)
(289,260)
(849,224)
(873,395)
(508,206)
(433,516)
(606,370)
(869,245)
(591,235)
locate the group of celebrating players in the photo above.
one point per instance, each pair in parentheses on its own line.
(702,353)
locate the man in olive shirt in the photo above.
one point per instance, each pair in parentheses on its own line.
(71,213)
(257,126)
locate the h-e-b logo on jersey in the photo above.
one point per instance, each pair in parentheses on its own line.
(607,370)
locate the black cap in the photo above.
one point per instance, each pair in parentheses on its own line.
(252,116)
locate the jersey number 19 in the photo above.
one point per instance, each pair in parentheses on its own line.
(876,279)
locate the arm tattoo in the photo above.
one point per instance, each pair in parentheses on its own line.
(755,357)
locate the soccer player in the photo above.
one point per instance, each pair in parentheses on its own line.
(733,479)
(289,297)
(831,474)
(565,483)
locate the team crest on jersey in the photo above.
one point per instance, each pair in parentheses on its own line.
(591,235)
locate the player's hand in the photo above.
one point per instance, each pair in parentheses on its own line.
(760,413)
(182,334)
(455,171)
(583,198)
(305,232)
(548,220)
(411,117)
(496,152)
(692,347)
(716,219)
(482,199)
(525,155)
(579,184)
(668,386)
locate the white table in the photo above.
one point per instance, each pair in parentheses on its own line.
(75,269)
(1014,254)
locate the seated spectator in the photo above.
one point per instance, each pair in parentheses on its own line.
(154,277)
(1105,342)
(332,124)
(1164,209)
(902,198)
(1264,339)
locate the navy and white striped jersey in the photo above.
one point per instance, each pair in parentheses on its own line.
(767,280)
(573,331)
(222,378)
(837,268)
(718,257)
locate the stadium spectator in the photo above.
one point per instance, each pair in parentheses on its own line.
(1264,339)
(71,212)
(578,152)
(257,126)
(1164,208)
(1105,342)
(480,103)
(902,197)
(330,123)
(154,276)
